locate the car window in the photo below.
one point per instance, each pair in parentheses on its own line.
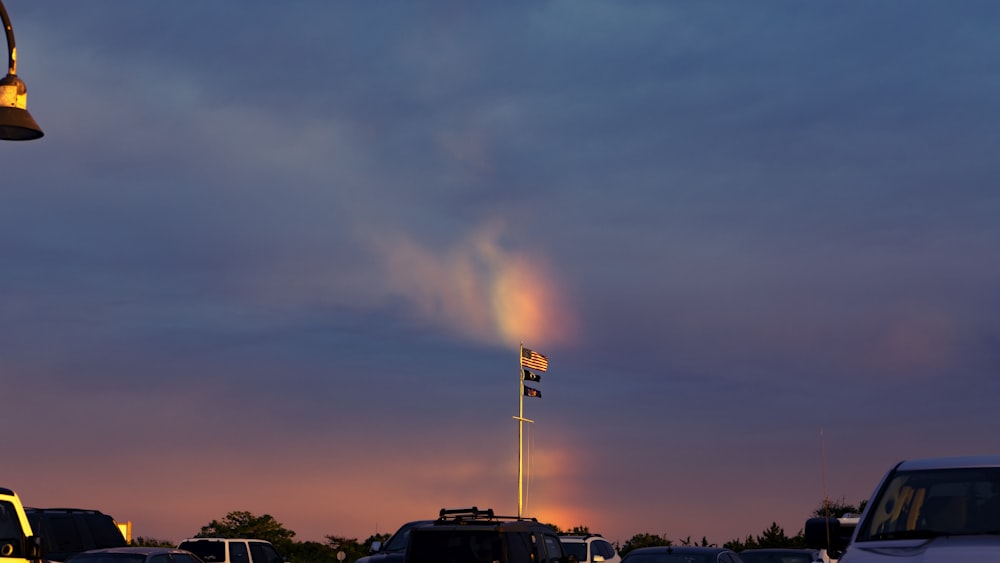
(10,526)
(207,551)
(576,549)
(398,540)
(553,548)
(64,534)
(264,553)
(160,558)
(238,552)
(184,558)
(539,540)
(521,548)
(103,530)
(604,549)
(480,546)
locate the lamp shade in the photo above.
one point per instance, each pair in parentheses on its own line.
(16,124)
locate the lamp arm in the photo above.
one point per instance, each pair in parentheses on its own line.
(11,49)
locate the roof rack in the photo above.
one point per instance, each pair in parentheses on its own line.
(473,514)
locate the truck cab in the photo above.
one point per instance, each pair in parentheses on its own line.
(17,543)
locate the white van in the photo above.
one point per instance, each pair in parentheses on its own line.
(925,510)
(229,550)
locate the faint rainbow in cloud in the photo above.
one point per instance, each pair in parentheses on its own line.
(525,305)
(478,288)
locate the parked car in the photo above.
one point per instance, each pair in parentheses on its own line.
(18,544)
(592,548)
(945,509)
(778,555)
(681,554)
(394,548)
(470,535)
(135,555)
(68,531)
(230,550)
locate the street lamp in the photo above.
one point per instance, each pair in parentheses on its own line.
(16,124)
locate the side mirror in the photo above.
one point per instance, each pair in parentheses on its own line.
(825,533)
(33,548)
(376,546)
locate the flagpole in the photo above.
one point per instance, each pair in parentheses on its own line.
(520,433)
(520,425)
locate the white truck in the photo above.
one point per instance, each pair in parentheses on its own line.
(936,510)
(17,543)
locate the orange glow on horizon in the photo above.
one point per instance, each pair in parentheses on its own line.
(552,490)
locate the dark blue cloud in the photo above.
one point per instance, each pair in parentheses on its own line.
(766,219)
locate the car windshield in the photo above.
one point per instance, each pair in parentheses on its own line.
(398,540)
(924,504)
(672,558)
(10,526)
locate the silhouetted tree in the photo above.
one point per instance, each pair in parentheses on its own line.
(151,542)
(773,537)
(837,508)
(309,552)
(740,545)
(643,540)
(704,542)
(350,546)
(242,524)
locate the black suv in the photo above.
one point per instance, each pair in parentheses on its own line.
(470,535)
(68,531)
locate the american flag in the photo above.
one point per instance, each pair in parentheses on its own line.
(533,360)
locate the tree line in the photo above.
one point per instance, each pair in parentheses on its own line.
(242,524)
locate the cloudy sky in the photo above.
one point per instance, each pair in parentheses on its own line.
(280,256)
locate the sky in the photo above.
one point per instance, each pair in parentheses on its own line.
(279,257)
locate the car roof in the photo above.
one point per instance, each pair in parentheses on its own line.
(145,550)
(474,518)
(223,539)
(676,549)
(505,526)
(61,509)
(779,550)
(950,462)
